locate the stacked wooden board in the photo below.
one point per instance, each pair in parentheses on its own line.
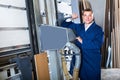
(115,37)
(86,4)
(112,31)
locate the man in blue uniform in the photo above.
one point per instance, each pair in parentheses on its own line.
(89,39)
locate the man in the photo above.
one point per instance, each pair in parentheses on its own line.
(89,39)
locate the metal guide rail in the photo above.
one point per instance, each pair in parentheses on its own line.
(11,6)
(12,50)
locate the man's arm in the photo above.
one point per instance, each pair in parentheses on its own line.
(70,24)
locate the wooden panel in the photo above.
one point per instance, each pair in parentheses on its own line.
(42,69)
(116,39)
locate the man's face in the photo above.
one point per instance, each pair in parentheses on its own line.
(87,17)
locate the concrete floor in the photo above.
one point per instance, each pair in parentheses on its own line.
(110,74)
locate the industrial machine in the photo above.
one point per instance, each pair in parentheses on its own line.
(54,40)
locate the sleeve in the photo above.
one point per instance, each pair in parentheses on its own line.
(95,43)
(70,24)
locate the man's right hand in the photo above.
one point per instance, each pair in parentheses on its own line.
(74,16)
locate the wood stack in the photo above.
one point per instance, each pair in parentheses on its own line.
(116,37)
(114,29)
(86,4)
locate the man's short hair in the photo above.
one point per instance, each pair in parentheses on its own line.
(88,9)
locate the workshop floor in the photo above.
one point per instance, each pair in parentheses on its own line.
(110,74)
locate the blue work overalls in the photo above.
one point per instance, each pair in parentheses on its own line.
(90,68)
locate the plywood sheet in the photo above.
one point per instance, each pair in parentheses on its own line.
(42,69)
